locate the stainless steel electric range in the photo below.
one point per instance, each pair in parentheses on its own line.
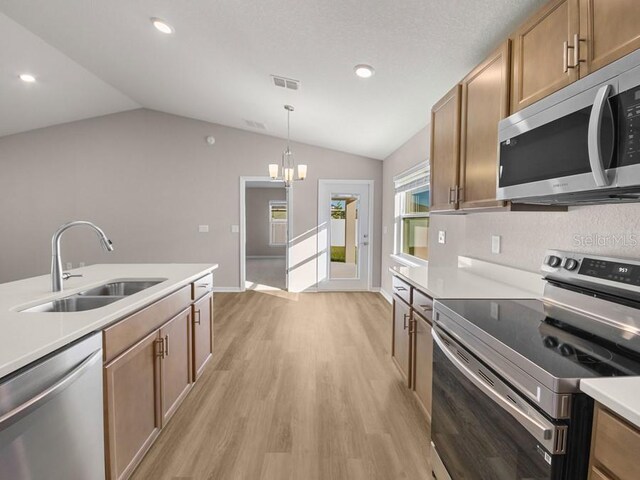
(506,374)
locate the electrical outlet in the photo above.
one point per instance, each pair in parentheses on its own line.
(82,264)
(495,243)
(235,228)
(68,266)
(384,230)
(442,236)
(203,228)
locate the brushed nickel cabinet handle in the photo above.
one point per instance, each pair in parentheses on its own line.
(401,289)
(451,195)
(160,343)
(427,308)
(196,317)
(406,316)
(166,345)
(565,56)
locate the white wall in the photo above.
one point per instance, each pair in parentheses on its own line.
(149,179)
(258,224)
(414,151)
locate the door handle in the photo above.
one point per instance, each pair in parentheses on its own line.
(43,397)
(406,316)
(600,104)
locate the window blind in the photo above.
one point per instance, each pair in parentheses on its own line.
(415,177)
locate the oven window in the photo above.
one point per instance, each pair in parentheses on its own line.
(557,149)
(475,438)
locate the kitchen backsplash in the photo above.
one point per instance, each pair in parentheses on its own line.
(601,229)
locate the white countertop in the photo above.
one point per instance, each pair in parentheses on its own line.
(452,282)
(621,395)
(28,336)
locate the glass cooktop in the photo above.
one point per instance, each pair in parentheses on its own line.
(562,350)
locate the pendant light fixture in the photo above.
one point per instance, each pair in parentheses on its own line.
(287,170)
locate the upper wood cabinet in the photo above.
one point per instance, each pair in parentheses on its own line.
(567,40)
(445,151)
(543,53)
(485,101)
(609,29)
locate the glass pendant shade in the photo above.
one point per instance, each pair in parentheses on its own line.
(287,168)
(273,171)
(302,172)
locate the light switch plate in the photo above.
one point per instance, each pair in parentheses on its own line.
(442,236)
(235,228)
(203,228)
(496,241)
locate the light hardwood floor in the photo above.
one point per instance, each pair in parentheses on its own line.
(301,387)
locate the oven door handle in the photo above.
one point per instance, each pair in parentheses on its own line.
(594,138)
(544,433)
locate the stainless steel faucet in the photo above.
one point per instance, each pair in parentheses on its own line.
(56,261)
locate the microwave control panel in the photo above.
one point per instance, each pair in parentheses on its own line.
(630,127)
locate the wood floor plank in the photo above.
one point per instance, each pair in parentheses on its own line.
(301,386)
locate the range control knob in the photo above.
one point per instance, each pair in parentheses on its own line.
(570,264)
(554,261)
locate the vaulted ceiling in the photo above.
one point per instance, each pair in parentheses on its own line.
(97,57)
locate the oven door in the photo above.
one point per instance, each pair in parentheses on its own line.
(482,428)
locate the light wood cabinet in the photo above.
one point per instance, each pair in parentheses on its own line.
(401,341)
(132,405)
(485,101)
(614,447)
(609,30)
(202,334)
(422,361)
(445,152)
(176,363)
(544,53)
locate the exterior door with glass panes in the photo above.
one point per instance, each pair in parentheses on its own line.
(344,239)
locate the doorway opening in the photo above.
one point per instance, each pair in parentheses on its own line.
(344,239)
(265,234)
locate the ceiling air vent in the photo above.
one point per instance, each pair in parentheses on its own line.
(256,125)
(285,82)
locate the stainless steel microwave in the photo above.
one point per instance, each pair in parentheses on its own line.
(580,145)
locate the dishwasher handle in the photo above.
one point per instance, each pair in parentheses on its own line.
(49,393)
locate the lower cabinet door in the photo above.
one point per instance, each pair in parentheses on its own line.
(202,334)
(132,405)
(423,362)
(176,363)
(400,349)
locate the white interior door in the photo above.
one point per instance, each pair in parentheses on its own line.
(344,235)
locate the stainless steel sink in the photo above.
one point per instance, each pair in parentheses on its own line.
(74,303)
(120,288)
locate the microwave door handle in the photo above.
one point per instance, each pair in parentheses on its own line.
(595,138)
(543,433)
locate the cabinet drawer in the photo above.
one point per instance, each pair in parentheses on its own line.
(130,330)
(616,445)
(423,304)
(202,286)
(402,289)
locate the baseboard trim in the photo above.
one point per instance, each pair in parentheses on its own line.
(227,289)
(387,296)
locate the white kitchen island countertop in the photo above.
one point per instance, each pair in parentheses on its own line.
(28,336)
(621,395)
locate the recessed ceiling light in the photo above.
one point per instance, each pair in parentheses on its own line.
(27,77)
(364,71)
(162,26)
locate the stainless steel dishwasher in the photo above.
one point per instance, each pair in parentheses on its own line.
(51,418)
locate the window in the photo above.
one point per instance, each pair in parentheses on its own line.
(412,214)
(277,223)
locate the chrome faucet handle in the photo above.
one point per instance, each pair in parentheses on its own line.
(67,275)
